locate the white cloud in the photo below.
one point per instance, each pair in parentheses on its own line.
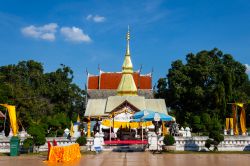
(89,17)
(74,34)
(248,68)
(95,18)
(45,32)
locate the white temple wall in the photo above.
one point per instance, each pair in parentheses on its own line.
(197,143)
(5,143)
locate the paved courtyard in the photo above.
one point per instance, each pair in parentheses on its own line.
(136,159)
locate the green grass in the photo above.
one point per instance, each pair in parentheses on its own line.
(35,154)
(4,154)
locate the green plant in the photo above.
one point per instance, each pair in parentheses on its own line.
(81,141)
(208,143)
(60,132)
(28,142)
(51,134)
(168,140)
(214,139)
(38,134)
(39,139)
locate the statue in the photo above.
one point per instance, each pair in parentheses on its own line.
(96,127)
(157,125)
(174,129)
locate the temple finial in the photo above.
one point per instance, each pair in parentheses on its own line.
(127,85)
(128,38)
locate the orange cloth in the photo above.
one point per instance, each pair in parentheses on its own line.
(227,123)
(118,124)
(243,120)
(64,153)
(236,132)
(231,120)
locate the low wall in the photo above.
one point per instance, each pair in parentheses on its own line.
(197,143)
(235,143)
(190,143)
(5,143)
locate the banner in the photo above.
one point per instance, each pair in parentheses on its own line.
(164,129)
(78,118)
(236,132)
(71,129)
(243,120)
(231,123)
(131,125)
(240,104)
(227,124)
(12,114)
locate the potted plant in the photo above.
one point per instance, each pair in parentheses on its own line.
(82,143)
(168,141)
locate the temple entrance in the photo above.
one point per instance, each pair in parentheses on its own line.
(126,134)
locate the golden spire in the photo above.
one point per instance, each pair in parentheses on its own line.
(127,85)
(127,66)
(128,38)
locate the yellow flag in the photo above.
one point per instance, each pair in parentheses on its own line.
(78,118)
(71,129)
(12,114)
(240,104)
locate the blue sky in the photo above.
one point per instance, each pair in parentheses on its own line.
(82,34)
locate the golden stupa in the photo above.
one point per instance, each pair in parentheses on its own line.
(127,85)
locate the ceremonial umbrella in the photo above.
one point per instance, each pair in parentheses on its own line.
(156,116)
(140,114)
(138,117)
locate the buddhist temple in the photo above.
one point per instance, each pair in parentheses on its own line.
(113,98)
(126,82)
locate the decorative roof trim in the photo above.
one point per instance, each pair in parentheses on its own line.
(92,75)
(148,74)
(122,104)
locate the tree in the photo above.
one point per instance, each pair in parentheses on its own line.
(205,84)
(38,135)
(48,99)
(197,125)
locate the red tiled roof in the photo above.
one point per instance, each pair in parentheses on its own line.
(93,82)
(112,80)
(145,82)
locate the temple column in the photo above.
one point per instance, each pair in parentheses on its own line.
(89,133)
(164,130)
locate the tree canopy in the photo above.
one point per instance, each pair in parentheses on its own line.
(48,99)
(201,88)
